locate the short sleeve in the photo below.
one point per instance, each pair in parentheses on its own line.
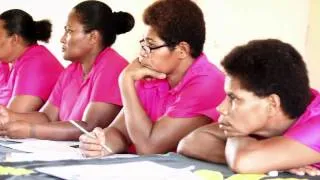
(307,133)
(33,79)
(200,97)
(56,94)
(105,88)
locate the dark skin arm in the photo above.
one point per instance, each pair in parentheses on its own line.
(205,143)
(248,155)
(39,125)
(25,103)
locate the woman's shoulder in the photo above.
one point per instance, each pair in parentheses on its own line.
(109,62)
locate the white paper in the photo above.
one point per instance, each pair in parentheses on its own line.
(113,156)
(44,156)
(57,156)
(122,171)
(69,143)
(42,146)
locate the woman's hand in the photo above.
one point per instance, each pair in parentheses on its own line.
(18,130)
(306,170)
(5,116)
(136,71)
(91,147)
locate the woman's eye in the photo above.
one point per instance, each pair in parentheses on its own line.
(68,31)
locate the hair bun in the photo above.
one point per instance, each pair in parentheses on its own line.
(123,21)
(42,30)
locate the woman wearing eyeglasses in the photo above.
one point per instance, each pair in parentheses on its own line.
(169,91)
(87,91)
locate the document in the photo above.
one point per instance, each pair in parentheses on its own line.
(42,146)
(42,156)
(56,156)
(121,171)
(4,139)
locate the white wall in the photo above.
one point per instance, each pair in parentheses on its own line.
(229,22)
(313,44)
(235,22)
(57,11)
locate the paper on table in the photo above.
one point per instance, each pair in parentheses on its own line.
(131,170)
(42,156)
(69,143)
(42,146)
(57,156)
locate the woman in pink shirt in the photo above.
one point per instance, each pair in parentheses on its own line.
(87,91)
(167,92)
(33,71)
(270,119)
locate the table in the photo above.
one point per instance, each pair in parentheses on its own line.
(171,160)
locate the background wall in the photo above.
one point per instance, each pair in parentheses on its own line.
(313,44)
(229,23)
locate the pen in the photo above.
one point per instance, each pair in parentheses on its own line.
(87,133)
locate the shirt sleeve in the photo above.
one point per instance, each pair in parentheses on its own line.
(105,88)
(307,133)
(32,79)
(200,97)
(56,94)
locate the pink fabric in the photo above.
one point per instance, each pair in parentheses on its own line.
(198,93)
(34,73)
(72,94)
(307,128)
(4,73)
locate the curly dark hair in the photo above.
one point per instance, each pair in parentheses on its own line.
(271,66)
(176,21)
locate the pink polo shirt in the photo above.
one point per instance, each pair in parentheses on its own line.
(198,93)
(34,73)
(72,93)
(4,73)
(306,129)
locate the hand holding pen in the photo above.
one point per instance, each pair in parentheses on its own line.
(95,139)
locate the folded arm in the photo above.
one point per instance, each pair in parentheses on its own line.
(205,143)
(248,155)
(46,124)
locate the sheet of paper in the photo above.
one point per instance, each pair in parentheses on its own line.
(57,156)
(69,143)
(131,170)
(42,156)
(42,146)
(113,156)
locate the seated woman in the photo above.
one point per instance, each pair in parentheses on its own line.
(34,71)
(270,119)
(87,91)
(166,93)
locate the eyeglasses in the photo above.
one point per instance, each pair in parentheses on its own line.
(147,49)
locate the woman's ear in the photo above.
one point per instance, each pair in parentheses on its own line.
(94,37)
(15,39)
(274,104)
(183,49)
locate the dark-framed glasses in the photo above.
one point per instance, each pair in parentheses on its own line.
(147,49)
